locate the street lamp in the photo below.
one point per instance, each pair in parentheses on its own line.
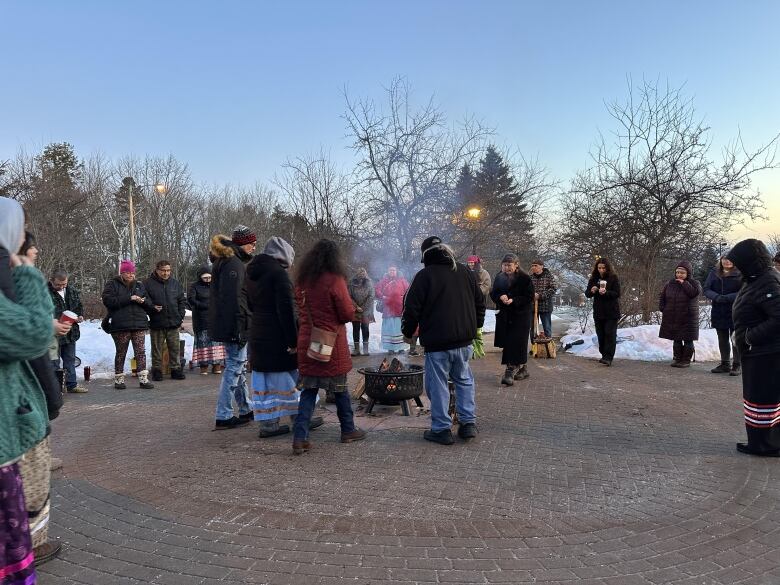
(473,214)
(130,185)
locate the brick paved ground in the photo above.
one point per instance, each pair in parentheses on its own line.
(584,474)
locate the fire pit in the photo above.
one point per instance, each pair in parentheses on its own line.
(393,388)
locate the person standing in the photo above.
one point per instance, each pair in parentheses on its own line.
(229,321)
(67,298)
(25,332)
(390,292)
(721,287)
(513,294)
(604,288)
(679,305)
(323,303)
(756,315)
(544,287)
(128,305)
(361,291)
(169,307)
(447,305)
(483,276)
(205,352)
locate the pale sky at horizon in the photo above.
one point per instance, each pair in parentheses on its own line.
(234,88)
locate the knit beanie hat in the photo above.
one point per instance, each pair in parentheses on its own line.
(242,235)
(474,259)
(279,249)
(510,258)
(126,266)
(428,244)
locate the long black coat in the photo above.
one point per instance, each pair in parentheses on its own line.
(605,306)
(229,317)
(270,299)
(198,301)
(679,304)
(170,295)
(513,322)
(722,290)
(126,315)
(71,302)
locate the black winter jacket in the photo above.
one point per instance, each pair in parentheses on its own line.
(447,304)
(124,314)
(170,295)
(722,290)
(198,301)
(679,304)
(229,317)
(71,302)
(270,299)
(513,321)
(605,306)
(757,307)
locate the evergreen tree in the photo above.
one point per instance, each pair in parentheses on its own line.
(708,260)
(465,186)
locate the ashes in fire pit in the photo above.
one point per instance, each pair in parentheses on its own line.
(393,384)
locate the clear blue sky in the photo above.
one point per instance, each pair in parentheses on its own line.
(233,88)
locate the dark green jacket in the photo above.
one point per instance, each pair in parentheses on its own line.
(71,302)
(25,332)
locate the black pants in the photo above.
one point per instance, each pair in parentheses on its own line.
(679,345)
(357,327)
(724,344)
(606,330)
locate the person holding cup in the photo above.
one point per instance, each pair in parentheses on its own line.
(67,309)
(604,288)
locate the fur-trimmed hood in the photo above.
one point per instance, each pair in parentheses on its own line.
(222,247)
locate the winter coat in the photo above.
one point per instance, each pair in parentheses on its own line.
(269,297)
(198,302)
(71,302)
(361,291)
(170,295)
(679,304)
(605,306)
(544,285)
(391,292)
(446,304)
(25,333)
(124,314)
(483,280)
(331,307)
(229,316)
(513,322)
(722,290)
(756,309)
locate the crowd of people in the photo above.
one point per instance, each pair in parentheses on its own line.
(287,319)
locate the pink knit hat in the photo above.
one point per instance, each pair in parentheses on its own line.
(126,266)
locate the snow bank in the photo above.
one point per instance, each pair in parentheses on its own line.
(641,343)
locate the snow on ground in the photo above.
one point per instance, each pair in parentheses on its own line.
(641,343)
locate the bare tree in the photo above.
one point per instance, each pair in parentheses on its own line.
(408,163)
(654,191)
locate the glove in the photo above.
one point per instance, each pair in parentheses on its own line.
(478,346)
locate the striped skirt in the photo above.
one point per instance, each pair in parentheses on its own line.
(761,393)
(206,352)
(35,468)
(392,338)
(274,395)
(17,566)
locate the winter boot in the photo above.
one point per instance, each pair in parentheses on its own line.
(365,348)
(156,374)
(143,379)
(204,370)
(356,349)
(722,368)
(178,374)
(521,373)
(509,376)
(676,356)
(685,358)
(736,370)
(119,382)
(216,369)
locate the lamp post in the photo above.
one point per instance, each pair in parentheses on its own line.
(473,214)
(130,185)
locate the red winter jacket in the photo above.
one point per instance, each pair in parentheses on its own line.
(331,307)
(391,292)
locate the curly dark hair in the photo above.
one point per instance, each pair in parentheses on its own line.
(324,256)
(607,264)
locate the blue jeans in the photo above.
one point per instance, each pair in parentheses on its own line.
(441,366)
(233,382)
(306,410)
(68,357)
(546,319)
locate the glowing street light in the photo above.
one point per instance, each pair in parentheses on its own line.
(474,213)
(129,183)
